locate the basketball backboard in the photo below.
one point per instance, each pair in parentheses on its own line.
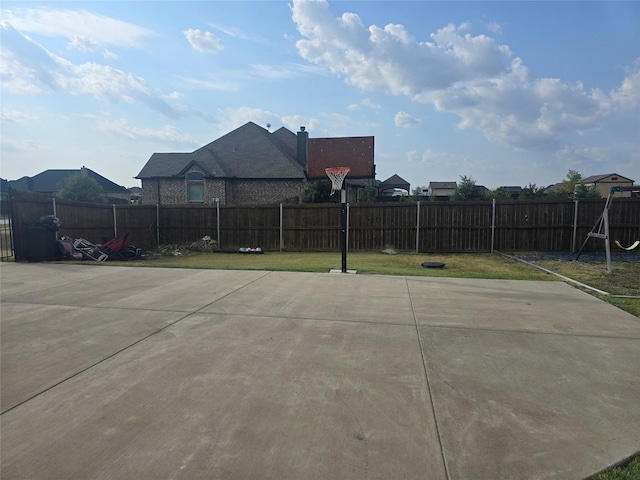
(353,152)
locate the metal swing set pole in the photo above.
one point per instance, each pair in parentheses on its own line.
(602,226)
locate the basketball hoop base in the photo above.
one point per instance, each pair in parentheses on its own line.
(340,271)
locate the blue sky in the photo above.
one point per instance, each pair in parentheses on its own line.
(509,93)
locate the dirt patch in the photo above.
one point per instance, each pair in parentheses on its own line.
(204,245)
(585,257)
(591,269)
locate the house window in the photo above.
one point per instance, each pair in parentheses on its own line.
(195,187)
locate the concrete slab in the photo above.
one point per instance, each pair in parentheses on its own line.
(237,397)
(552,307)
(43,345)
(194,374)
(533,405)
(137,288)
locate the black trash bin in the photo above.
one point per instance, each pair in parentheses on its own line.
(41,244)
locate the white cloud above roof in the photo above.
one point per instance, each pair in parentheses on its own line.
(70,23)
(473,77)
(205,42)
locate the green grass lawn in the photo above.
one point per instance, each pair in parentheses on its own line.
(456,265)
(627,472)
(624,281)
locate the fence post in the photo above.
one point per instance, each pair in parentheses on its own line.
(348,227)
(493,223)
(281,229)
(158,224)
(55,213)
(575,226)
(218,221)
(115,222)
(418,226)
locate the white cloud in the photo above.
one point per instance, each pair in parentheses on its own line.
(9,115)
(76,23)
(205,42)
(280,71)
(628,94)
(231,118)
(294,122)
(364,103)
(168,133)
(368,103)
(87,45)
(473,77)
(495,28)
(30,68)
(403,119)
(197,83)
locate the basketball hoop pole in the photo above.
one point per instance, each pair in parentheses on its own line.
(343,239)
(337,176)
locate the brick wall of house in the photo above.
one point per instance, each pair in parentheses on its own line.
(231,192)
(149,192)
(255,192)
(172,191)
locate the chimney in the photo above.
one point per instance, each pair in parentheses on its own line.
(303,149)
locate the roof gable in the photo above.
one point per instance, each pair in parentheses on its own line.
(606,176)
(395,181)
(249,151)
(49,181)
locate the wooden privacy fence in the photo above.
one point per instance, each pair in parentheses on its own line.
(541,225)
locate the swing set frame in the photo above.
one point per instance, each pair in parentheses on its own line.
(601,229)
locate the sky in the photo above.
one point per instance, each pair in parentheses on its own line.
(507,93)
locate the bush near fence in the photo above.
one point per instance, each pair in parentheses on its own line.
(451,227)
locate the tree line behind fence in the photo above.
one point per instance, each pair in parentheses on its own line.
(540,225)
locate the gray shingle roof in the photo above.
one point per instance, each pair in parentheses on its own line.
(49,180)
(249,151)
(596,178)
(394,181)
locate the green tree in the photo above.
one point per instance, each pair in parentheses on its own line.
(573,187)
(417,194)
(369,194)
(499,193)
(531,192)
(582,191)
(467,190)
(318,191)
(81,188)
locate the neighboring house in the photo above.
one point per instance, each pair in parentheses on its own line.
(553,188)
(513,191)
(247,166)
(389,187)
(49,181)
(482,190)
(603,183)
(136,194)
(441,190)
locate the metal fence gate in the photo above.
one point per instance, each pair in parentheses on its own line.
(6,227)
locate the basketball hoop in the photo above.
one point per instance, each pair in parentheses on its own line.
(336,174)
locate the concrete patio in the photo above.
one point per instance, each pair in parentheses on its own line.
(151,373)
